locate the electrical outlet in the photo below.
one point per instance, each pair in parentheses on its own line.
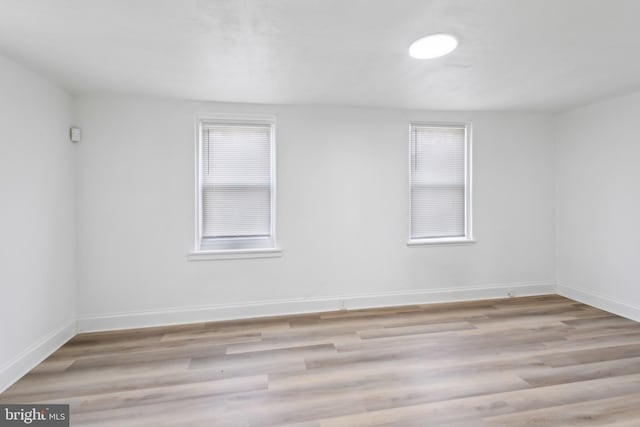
(343,305)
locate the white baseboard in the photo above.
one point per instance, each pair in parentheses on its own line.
(601,301)
(182,315)
(34,354)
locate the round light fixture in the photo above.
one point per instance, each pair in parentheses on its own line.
(433,46)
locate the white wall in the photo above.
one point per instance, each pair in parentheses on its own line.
(37,216)
(342,214)
(598,204)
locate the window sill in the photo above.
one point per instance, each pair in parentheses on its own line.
(234,254)
(441,241)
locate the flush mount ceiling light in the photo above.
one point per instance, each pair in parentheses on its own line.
(433,46)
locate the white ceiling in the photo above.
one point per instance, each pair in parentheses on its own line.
(513,54)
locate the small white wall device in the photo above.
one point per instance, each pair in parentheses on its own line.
(75,134)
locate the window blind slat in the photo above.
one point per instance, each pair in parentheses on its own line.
(437,181)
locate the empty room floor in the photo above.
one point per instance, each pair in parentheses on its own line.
(534,361)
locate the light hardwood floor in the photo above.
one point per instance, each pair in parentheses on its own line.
(536,361)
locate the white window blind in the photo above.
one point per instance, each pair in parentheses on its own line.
(237,185)
(438,181)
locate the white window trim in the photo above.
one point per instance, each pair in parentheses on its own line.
(199,253)
(235,254)
(468,190)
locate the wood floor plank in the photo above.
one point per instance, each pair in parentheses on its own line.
(592,412)
(582,372)
(580,357)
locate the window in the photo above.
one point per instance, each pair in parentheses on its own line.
(440,208)
(236,185)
